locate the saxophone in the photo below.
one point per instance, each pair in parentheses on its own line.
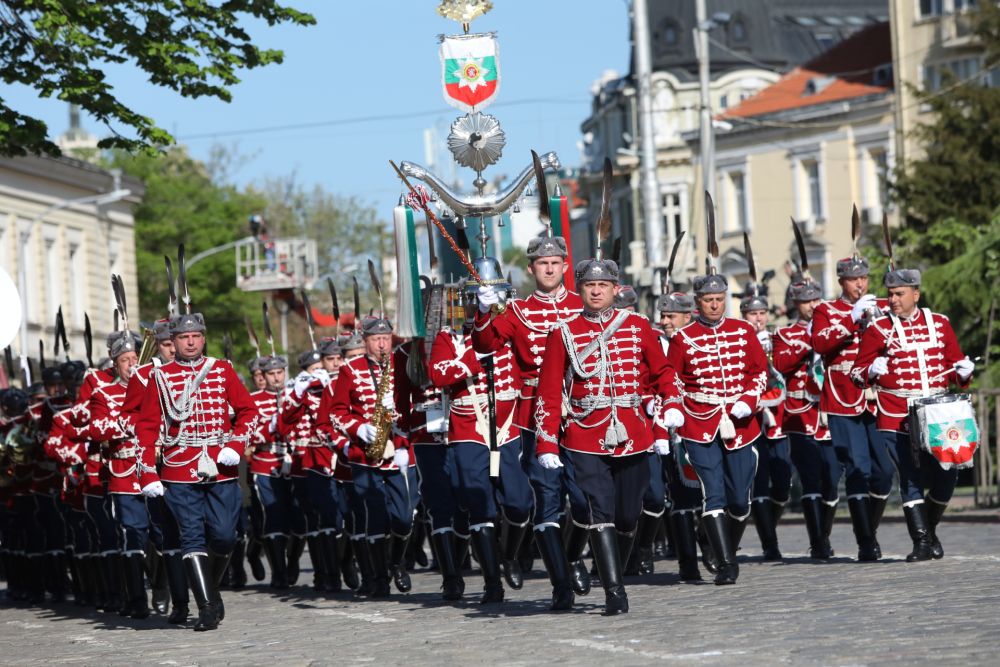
(379,449)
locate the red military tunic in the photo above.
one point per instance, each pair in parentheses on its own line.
(268,449)
(793,357)
(298,425)
(78,458)
(131,407)
(353,403)
(110,424)
(94,379)
(198,423)
(835,336)
(921,363)
(525,326)
(607,384)
(718,366)
(455,368)
(46,478)
(422,418)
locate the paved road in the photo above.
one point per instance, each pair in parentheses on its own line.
(797,612)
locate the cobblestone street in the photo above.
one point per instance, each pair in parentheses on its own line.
(797,612)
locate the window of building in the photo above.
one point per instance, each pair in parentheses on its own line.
(931,8)
(738,30)
(811,169)
(724,101)
(880,159)
(735,201)
(962,5)
(673,218)
(77,282)
(25,246)
(53,277)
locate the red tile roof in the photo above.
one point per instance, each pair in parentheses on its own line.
(847,70)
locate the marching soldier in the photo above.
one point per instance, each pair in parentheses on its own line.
(912,353)
(466,377)
(190,399)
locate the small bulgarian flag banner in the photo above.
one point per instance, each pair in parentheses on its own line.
(470,70)
(950,433)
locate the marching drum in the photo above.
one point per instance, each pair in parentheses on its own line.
(945,427)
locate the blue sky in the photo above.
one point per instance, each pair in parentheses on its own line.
(367,59)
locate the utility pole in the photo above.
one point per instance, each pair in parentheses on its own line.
(647,148)
(702,26)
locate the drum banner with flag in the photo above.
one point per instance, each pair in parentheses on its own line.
(688,476)
(949,433)
(470,70)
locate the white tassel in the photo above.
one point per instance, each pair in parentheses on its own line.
(869,393)
(823,420)
(207,470)
(726,428)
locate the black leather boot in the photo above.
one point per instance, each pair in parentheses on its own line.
(829,512)
(318,565)
(708,557)
(397,563)
(719,533)
(219,563)
(177,581)
(626,544)
(331,550)
(649,524)
(511,536)
(75,578)
(137,604)
(550,546)
(378,550)
(877,508)
(861,518)
(363,554)
(604,542)
(463,559)
(484,544)
(199,574)
(159,590)
(254,551)
(348,567)
(111,568)
(812,514)
(682,526)
(415,546)
(916,524)
(276,549)
(528,552)
(452,584)
(55,575)
(296,545)
(935,511)
(576,541)
(763,520)
(237,574)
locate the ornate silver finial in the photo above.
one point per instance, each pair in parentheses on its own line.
(476,140)
(464,11)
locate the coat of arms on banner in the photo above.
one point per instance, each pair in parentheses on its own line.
(470,70)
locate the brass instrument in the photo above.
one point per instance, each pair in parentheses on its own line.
(379,449)
(148,348)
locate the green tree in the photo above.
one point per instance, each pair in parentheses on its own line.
(61,48)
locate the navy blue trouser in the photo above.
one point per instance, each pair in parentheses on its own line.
(206,515)
(23,525)
(387,497)
(434,465)
(817,465)
(654,501)
(271,504)
(613,487)
(726,475)
(50,528)
(303,519)
(774,470)
(79,533)
(550,487)
(358,514)
(324,495)
(479,494)
(862,452)
(163,528)
(940,483)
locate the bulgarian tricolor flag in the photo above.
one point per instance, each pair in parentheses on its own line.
(470,70)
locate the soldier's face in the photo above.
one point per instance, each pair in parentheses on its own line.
(378,344)
(903,300)
(548,272)
(671,322)
(598,295)
(258,379)
(275,379)
(711,306)
(806,308)
(350,354)
(165,348)
(758,318)
(854,288)
(125,364)
(56,389)
(332,362)
(189,345)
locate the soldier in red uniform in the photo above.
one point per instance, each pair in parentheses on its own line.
(382,483)
(773,482)
(836,333)
(724,372)
(190,399)
(812,452)
(596,365)
(460,371)
(524,326)
(912,353)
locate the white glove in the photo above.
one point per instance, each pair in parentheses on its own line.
(481,356)
(228,457)
(367,433)
(765,339)
(401,458)
(389,402)
(673,418)
(964,368)
(488,298)
(347,446)
(153,490)
(740,410)
(321,375)
(550,461)
(661,447)
(864,303)
(273,428)
(879,367)
(651,407)
(302,382)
